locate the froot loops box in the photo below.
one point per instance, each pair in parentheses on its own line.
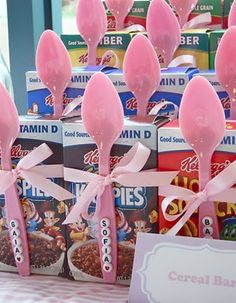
(175,154)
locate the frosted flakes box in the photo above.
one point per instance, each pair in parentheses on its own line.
(175,154)
(136,207)
(173,83)
(43,214)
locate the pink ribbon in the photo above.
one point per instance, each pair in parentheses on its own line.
(217,189)
(199,21)
(127,173)
(28,168)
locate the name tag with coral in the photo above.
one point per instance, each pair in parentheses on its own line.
(181,269)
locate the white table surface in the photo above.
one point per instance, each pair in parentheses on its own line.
(45,289)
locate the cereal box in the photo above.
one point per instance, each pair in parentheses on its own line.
(215,37)
(137,15)
(114,41)
(210,75)
(43,214)
(212,6)
(195,43)
(173,83)
(175,154)
(136,208)
(226,10)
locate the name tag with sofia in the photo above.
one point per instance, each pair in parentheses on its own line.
(180,269)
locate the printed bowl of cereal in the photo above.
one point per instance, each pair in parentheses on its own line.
(84,261)
(45,257)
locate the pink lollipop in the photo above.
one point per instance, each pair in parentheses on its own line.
(92,24)
(119,9)
(183,8)
(163,29)
(232,15)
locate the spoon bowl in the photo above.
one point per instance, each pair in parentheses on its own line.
(183,8)
(91,22)
(232,15)
(119,9)
(225,66)
(54,68)
(103,118)
(141,71)
(163,29)
(99,110)
(202,123)
(9,130)
(9,122)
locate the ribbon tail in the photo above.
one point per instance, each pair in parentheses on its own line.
(47,186)
(82,206)
(177,227)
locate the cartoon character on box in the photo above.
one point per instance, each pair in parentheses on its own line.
(140,224)
(229,229)
(31,216)
(53,231)
(79,231)
(123,228)
(62,208)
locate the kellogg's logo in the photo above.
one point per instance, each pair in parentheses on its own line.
(84,59)
(18,152)
(49,100)
(226,102)
(111,24)
(131,104)
(92,158)
(191,165)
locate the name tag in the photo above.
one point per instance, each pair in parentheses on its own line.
(180,269)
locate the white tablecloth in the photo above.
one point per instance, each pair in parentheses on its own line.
(44,289)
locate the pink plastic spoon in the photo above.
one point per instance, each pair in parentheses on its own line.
(163,29)
(119,9)
(9,129)
(92,24)
(103,119)
(202,123)
(54,68)
(232,15)
(183,8)
(141,71)
(225,66)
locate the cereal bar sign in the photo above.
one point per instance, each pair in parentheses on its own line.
(181,269)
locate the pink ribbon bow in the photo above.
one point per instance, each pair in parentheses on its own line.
(127,173)
(217,189)
(36,175)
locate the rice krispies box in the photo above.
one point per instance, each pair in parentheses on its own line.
(137,15)
(175,154)
(211,76)
(136,208)
(172,85)
(43,214)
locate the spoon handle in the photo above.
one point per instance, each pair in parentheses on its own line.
(92,55)
(58,105)
(208,222)
(120,23)
(16,223)
(107,232)
(232,107)
(107,236)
